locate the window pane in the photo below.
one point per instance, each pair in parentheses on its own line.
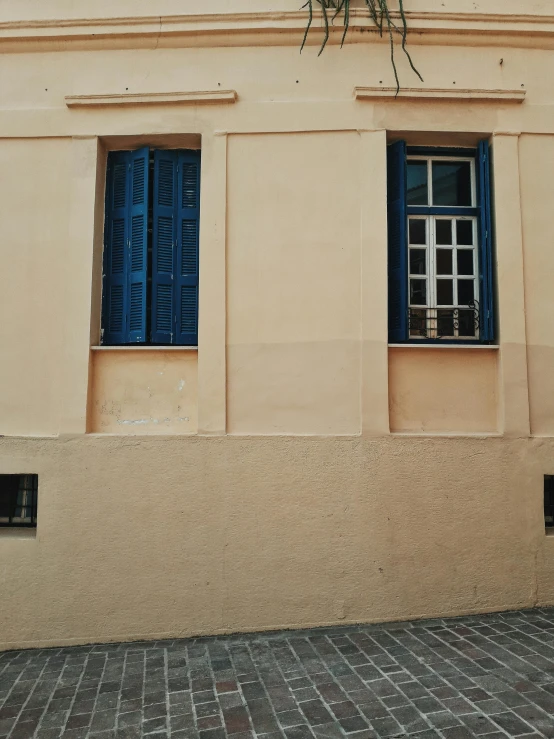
(418,231)
(417,183)
(464,233)
(418,322)
(418,292)
(444,261)
(445,322)
(443,232)
(466,323)
(465,261)
(465,292)
(417,262)
(445,292)
(452,183)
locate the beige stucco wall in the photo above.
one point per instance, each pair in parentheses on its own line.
(536,156)
(293,348)
(34,244)
(443,389)
(322,477)
(149,392)
(143,537)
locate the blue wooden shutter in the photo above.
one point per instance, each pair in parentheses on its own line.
(188,220)
(397,216)
(116,234)
(125,248)
(486,306)
(138,244)
(164,240)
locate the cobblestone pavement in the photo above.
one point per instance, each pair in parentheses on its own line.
(485,676)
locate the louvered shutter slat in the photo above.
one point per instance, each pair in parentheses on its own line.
(164,239)
(486,270)
(187,248)
(397,219)
(114,288)
(138,245)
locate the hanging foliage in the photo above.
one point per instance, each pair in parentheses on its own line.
(380,15)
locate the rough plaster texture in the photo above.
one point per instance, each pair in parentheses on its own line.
(300,521)
(537,201)
(34,239)
(152,392)
(143,537)
(448,390)
(293,349)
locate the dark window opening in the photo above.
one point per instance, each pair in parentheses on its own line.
(18,500)
(151,242)
(440,245)
(549,501)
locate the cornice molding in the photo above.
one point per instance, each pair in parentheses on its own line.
(439,95)
(256,29)
(216,97)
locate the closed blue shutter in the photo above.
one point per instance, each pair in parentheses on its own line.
(164,239)
(138,244)
(114,287)
(125,248)
(186,273)
(486,307)
(397,218)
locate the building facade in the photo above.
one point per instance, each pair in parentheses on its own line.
(278,345)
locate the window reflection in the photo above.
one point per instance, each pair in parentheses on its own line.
(452,183)
(417,183)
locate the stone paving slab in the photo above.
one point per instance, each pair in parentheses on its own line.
(486,676)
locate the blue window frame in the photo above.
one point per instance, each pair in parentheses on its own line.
(440,245)
(151,239)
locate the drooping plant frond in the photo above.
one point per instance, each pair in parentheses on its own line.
(379,13)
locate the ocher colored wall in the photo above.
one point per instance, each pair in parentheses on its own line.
(442,389)
(34,192)
(293,315)
(147,392)
(350,481)
(140,538)
(537,156)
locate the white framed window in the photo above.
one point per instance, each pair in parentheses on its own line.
(443,269)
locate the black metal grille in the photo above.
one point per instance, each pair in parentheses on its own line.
(444,323)
(18,500)
(549,501)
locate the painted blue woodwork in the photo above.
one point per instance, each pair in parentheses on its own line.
(397,242)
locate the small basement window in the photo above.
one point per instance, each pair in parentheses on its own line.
(18,500)
(549,501)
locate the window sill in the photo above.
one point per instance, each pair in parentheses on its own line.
(549,531)
(143,348)
(436,345)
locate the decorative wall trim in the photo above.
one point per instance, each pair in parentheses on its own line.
(216,97)
(253,29)
(440,95)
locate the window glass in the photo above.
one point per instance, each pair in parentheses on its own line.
(444,232)
(467,323)
(418,231)
(418,292)
(464,233)
(451,183)
(445,322)
(418,322)
(417,183)
(465,292)
(445,292)
(444,261)
(465,261)
(417,262)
